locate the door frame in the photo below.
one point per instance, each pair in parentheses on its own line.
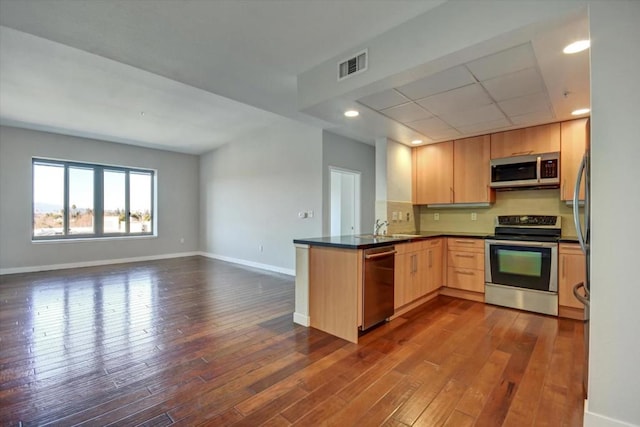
(357,195)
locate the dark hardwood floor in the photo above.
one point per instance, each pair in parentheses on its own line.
(195,341)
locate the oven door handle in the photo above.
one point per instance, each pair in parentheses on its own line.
(522,243)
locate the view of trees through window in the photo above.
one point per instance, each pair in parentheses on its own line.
(85,200)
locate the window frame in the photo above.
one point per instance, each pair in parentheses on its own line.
(98,201)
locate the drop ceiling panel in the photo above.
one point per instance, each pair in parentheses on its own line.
(385,99)
(486,113)
(520,83)
(536,117)
(440,82)
(431,127)
(505,62)
(406,112)
(442,134)
(525,104)
(466,97)
(484,127)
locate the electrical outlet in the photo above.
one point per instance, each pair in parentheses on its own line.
(400,216)
(302,215)
(408,216)
(474,216)
(310,214)
(394,216)
(260,248)
(436,217)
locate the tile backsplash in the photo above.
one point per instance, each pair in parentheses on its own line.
(515,202)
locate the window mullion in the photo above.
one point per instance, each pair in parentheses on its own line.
(65,208)
(127,203)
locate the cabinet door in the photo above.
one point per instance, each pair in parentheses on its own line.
(573,140)
(471,170)
(402,278)
(572,272)
(434,267)
(434,173)
(531,140)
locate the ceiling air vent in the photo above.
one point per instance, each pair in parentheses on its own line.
(351,66)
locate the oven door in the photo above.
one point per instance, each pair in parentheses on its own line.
(520,264)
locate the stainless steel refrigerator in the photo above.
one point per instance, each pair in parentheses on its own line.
(582,291)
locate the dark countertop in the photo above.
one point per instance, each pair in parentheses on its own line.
(368,241)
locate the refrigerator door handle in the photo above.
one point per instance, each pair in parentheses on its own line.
(576,196)
(583,299)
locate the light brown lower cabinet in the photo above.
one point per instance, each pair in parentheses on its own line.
(465,264)
(571,271)
(418,270)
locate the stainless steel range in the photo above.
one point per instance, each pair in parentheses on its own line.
(521,263)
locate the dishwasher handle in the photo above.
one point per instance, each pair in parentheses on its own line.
(379,255)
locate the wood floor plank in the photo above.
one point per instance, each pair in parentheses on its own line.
(193,341)
(440,409)
(477,393)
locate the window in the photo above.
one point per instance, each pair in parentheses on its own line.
(80,200)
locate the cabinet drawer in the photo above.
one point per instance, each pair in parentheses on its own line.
(431,243)
(463,278)
(460,259)
(466,244)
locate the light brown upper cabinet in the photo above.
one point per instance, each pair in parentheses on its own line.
(433,173)
(521,142)
(573,139)
(471,165)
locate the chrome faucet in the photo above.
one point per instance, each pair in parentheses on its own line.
(378,226)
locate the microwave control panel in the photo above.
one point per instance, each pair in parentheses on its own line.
(549,169)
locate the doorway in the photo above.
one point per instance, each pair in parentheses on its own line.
(344,202)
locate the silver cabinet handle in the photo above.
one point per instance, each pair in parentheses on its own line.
(466,242)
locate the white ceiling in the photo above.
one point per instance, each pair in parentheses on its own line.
(190,75)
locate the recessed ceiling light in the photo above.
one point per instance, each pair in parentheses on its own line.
(580,112)
(351,113)
(416,141)
(578,46)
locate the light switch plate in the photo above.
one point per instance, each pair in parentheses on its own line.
(436,217)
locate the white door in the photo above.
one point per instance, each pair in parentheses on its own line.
(344,202)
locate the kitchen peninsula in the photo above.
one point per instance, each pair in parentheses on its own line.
(330,274)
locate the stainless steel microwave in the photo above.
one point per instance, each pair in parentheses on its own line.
(526,171)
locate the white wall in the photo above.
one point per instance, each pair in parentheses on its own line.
(614,367)
(251,191)
(177,213)
(342,152)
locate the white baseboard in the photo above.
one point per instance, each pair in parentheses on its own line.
(36,268)
(268,267)
(301,319)
(592,419)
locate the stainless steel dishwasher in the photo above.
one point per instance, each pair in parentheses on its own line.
(377,289)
